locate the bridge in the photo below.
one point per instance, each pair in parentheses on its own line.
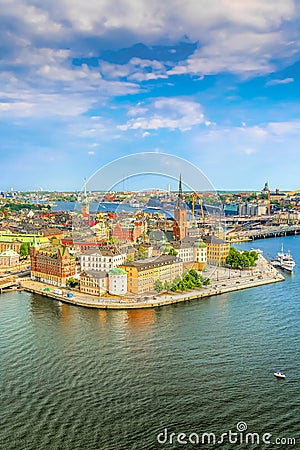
(269,231)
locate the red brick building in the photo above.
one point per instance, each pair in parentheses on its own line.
(53,265)
(129,232)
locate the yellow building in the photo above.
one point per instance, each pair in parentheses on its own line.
(143,274)
(217,249)
(94,282)
(14,241)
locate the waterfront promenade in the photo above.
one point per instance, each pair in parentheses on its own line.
(222,280)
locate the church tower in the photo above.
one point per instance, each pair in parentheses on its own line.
(180,216)
(85,203)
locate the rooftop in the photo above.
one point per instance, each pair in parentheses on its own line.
(150,263)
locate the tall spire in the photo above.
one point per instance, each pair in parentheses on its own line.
(84,202)
(180,188)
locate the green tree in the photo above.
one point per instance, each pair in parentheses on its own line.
(172,252)
(206,282)
(142,254)
(24,249)
(158,286)
(71,282)
(167,286)
(241,260)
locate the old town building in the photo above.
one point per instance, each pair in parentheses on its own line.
(94,282)
(52,264)
(143,274)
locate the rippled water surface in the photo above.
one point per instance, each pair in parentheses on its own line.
(73,378)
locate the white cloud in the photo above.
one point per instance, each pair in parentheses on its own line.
(235,36)
(251,137)
(284,128)
(279,81)
(137,69)
(172,113)
(249,151)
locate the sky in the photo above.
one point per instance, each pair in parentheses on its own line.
(215,82)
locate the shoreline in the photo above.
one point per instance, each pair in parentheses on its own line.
(245,280)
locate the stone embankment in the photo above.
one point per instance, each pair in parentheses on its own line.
(222,281)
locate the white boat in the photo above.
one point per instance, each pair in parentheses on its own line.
(284,261)
(279,374)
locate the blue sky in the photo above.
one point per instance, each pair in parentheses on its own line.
(212,81)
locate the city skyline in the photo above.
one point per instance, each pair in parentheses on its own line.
(212,82)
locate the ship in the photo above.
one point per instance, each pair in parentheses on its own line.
(284,261)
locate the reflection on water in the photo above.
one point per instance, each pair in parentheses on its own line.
(75,378)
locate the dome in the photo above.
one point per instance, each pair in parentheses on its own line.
(117,271)
(199,244)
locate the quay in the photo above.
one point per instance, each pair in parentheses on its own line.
(268,232)
(223,281)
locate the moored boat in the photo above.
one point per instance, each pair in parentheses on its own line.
(279,374)
(284,261)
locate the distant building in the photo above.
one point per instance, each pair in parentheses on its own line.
(231,209)
(94,282)
(9,258)
(14,241)
(53,264)
(143,274)
(117,281)
(101,259)
(217,249)
(252,209)
(128,232)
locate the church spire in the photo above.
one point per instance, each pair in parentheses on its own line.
(85,202)
(180,188)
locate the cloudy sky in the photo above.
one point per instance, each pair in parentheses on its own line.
(86,81)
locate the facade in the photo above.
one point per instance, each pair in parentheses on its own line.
(14,241)
(94,282)
(200,255)
(217,249)
(128,232)
(252,209)
(192,252)
(286,218)
(143,274)
(117,281)
(101,259)
(53,265)
(9,258)
(101,231)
